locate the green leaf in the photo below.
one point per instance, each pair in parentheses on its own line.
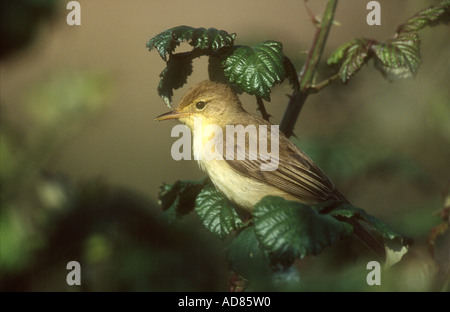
(216,212)
(166,42)
(291,73)
(429,17)
(344,210)
(174,76)
(215,69)
(395,244)
(216,73)
(178,199)
(337,56)
(212,39)
(247,257)
(399,57)
(179,65)
(396,58)
(352,56)
(290,230)
(199,38)
(255,69)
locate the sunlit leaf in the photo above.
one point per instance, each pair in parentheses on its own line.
(216,212)
(337,56)
(255,69)
(399,57)
(200,38)
(429,17)
(352,56)
(211,38)
(396,58)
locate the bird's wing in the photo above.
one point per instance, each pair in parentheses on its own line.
(296,173)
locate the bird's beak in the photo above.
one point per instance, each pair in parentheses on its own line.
(171,115)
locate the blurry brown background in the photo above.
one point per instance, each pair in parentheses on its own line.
(123,146)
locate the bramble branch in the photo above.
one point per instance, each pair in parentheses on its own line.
(308,71)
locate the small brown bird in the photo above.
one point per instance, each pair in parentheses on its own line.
(296,176)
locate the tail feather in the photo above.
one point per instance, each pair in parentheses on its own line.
(368,239)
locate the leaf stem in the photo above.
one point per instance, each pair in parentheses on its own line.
(309,69)
(319,86)
(262,108)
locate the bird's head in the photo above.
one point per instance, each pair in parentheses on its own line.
(213,102)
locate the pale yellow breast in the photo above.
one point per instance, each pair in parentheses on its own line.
(244,191)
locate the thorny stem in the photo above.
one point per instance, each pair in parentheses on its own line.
(309,68)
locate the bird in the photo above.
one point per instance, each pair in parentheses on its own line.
(216,106)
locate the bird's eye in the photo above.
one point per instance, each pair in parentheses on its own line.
(200,105)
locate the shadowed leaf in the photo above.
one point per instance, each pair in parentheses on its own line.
(179,65)
(349,211)
(174,76)
(178,199)
(247,257)
(290,230)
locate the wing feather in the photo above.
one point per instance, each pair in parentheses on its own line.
(296,173)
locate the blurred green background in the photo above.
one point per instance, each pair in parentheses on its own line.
(82,157)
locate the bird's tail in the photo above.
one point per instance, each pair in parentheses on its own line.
(368,239)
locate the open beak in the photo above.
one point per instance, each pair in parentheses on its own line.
(171,115)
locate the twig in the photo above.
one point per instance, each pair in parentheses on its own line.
(317,87)
(311,15)
(309,68)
